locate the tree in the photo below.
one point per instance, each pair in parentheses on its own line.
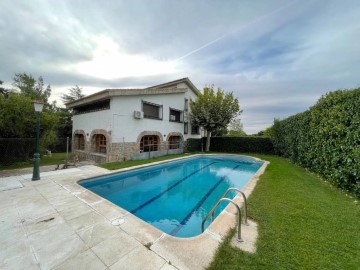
(75,93)
(3,91)
(17,119)
(213,110)
(236,128)
(35,89)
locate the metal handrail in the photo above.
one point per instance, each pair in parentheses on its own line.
(245,203)
(238,221)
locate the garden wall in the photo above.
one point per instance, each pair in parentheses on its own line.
(325,139)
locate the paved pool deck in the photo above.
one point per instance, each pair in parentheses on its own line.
(54,223)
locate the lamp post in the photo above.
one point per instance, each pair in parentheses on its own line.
(38,106)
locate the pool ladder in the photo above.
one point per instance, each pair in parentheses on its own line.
(223,199)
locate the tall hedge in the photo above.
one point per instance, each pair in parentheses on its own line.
(244,144)
(325,139)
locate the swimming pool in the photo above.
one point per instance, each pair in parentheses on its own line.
(175,196)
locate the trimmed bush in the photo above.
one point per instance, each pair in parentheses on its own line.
(234,144)
(325,139)
(244,144)
(193,145)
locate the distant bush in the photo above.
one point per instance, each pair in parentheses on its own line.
(234,144)
(325,139)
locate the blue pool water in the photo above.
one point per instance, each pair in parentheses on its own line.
(176,196)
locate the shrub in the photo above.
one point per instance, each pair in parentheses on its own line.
(235,144)
(325,139)
(242,144)
(193,145)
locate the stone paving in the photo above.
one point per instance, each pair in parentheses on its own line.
(54,223)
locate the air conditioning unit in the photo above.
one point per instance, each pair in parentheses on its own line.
(172,117)
(186,117)
(138,114)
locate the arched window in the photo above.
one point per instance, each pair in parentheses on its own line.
(79,142)
(100,143)
(149,143)
(174,142)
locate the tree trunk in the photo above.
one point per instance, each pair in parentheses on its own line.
(207,148)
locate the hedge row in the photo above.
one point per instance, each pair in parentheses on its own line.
(234,144)
(325,139)
(242,144)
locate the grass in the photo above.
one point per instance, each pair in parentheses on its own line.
(304,223)
(56,158)
(131,163)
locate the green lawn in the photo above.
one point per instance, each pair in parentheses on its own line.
(56,158)
(130,163)
(304,223)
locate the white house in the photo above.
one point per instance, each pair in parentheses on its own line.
(121,124)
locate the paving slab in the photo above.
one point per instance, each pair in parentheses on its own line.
(184,254)
(86,260)
(113,249)
(97,233)
(85,220)
(140,230)
(109,210)
(10,183)
(54,223)
(18,256)
(139,258)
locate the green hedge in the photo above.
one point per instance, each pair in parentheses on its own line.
(325,139)
(234,144)
(244,144)
(193,145)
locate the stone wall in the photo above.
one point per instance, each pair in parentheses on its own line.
(122,151)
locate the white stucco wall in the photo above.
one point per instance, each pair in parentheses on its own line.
(125,126)
(120,121)
(93,120)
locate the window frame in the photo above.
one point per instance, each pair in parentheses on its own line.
(174,143)
(186,128)
(197,131)
(154,139)
(160,110)
(99,143)
(80,142)
(181,116)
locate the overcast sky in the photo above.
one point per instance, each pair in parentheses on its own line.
(278,57)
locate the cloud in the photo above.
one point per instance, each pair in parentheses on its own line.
(278,57)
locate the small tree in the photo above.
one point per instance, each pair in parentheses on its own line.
(213,111)
(236,128)
(75,93)
(3,91)
(35,89)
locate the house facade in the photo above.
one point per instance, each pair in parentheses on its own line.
(123,124)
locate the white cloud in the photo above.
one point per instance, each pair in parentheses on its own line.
(277,56)
(109,61)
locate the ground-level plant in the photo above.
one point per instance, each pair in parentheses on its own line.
(304,223)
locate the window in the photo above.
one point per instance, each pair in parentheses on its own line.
(186,105)
(79,142)
(174,142)
(151,110)
(186,128)
(100,141)
(194,129)
(175,115)
(149,143)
